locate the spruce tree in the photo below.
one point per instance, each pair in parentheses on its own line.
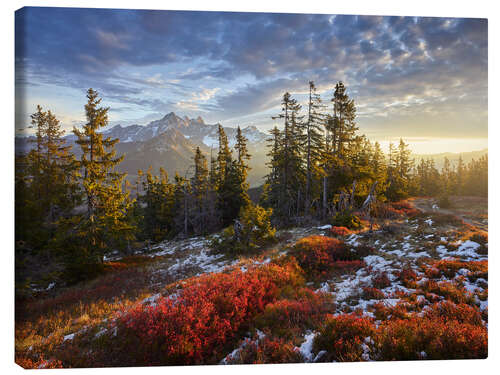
(105,223)
(314,143)
(200,191)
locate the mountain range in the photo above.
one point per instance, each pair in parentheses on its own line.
(170,142)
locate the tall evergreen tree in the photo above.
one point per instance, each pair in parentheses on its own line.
(106,222)
(314,143)
(200,191)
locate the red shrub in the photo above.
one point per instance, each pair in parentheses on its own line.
(385,211)
(197,327)
(104,288)
(446,289)
(340,231)
(449,267)
(406,208)
(317,255)
(343,337)
(381,280)
(460,312)
(408,277)
(286,317)
(437,337)
(384,312)
(41,363)
(372,293)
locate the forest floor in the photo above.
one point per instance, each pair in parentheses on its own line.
(424,268)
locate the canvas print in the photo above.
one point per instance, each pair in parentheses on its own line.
(196,187)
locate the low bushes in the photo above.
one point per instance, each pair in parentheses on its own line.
(347,220)
(255,231)
(408,277)
(319,255)
(430,338)
(343,338)
(41,363)
(372,293)
(450,311)
(287,317)
(449,267)
(406,208)
(479,237)
(380,280)
(445,331)
(340,231)
(204,321)
(449,290)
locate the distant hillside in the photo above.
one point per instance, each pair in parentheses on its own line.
(452,157)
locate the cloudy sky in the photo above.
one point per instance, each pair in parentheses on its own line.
(423,79)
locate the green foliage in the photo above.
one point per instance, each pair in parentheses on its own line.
(346,219)
(105,224)
(255,231)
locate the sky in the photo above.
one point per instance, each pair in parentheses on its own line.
(423,79)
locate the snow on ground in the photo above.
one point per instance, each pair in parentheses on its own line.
(324,227)
(306,347)
(391,255)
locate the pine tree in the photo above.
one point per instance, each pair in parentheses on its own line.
(288,163)
(231,179)
(242,153)
(340,149)
(47,176)
(105,223)
(343,128)
(314,143)
(200,192)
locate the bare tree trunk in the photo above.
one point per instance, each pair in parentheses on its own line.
(351,200)
(325,179)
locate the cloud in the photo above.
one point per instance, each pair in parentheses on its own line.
(398,69)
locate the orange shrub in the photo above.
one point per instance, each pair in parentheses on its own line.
(460,312)
(343,337)
(340,231)
(318,255)
(41,363)
(381,280)
(405,208)
(446,289)
(408,277)
(449,267)
(437,337)
(372,293)
(480,237)
(286,317)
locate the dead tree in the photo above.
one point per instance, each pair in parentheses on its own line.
(238,227)
(351,199)
(368,203)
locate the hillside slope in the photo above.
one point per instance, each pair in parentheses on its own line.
(416,288)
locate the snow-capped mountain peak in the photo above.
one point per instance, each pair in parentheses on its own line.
(196,130)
